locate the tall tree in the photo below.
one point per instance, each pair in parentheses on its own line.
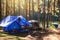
(11,7)
(38,11)
(29,10)
(44,14)
(48,14)
(19,7)
(6,7)
(33,8)
(0,11)
(14,6)
(59,10)
(54,7)
(25,1)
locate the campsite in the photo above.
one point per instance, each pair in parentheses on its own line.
(29,19)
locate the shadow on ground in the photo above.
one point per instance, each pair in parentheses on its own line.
(36,35)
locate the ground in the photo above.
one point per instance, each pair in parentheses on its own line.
(51,35)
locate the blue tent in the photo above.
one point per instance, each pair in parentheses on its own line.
(13,23)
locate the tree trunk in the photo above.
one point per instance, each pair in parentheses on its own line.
(14,7)
(54,7)
(48,14)
(6,7)
(33,8)
(38,11)
(0,11)
(59,10)
(19,7)
(25,3)
(29,10)
(44,14)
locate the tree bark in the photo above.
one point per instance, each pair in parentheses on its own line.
(59,11)
(18,7)
(14,6)
(48,14)
(54,7)
(0,11)
(33,8)
(25,1)
(29,10)
(44,14)
(38,12)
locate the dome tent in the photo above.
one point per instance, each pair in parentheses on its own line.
(11,23)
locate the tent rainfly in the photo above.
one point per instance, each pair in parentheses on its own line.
(11,23)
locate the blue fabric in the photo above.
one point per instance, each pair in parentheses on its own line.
(8,20)
(13,26)
(13,23)
(56,25)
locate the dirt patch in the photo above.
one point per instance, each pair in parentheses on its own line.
(50,34)
(44,37)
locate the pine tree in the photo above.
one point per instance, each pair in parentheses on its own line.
(18,7)
(38,11)
(0,11)
(59,10)
(25,4)
(33,8)
(44,14)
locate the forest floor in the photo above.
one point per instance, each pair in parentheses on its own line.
(50,34)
